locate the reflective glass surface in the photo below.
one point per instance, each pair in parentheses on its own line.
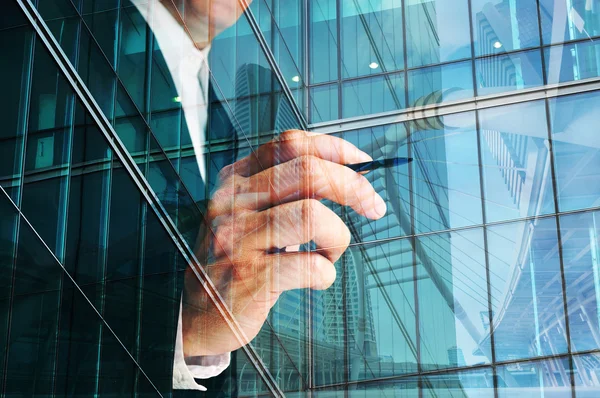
(500,26)
(439,84)
(509,72)
(519,185)
(437,31)
(481,280)
(576,154)
(526,290)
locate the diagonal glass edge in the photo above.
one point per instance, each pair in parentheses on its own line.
(144,187)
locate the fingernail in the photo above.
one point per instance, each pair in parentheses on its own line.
(379,208)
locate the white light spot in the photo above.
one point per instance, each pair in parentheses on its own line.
(373,65)
(497,44)
(296,79)
(176,99)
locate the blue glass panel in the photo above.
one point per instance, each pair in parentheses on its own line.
(372,37)
(509,72)
(571,62)
(580,245)
(548,378)
(576,150)
(563,21)
(323,41)
(477,383)
(526,287)
(515,161)
(585,370)
(501,26)
(380,315)
(453,300)
(437,31)
(324,103)
(445,173)
(440,84)
(373,95)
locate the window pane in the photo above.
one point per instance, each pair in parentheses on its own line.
(372,38)
(572,62)
(509,72)
(440,84)
(549,378)
(437,31)
(324,103)
(453,300)
(526,287)
(373,95)
(323,41)
(14,76)
(380,310)
(515,161)
(44,204)
(576,150)
(124,227)
(563,21)
(580,243)
(501,26)
(477,383)
(86,231)
(585,368)
(445,173)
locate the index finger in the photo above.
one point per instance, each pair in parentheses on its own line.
(293,144)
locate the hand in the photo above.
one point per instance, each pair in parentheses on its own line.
(267,201)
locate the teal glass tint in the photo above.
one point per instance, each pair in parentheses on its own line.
(576,153)
(445,172)
(572,62)
(380,312)
(509,72)
(565,21)
(373,95)
(323,41)
(86,238)
(519,185)
(584,368)
(526,290)
(535,379)
(501,26)
(372,37)
(579,238)
(44,204)
(439,84)
(133,54)
(476,383)
(437,31)
(124,227)
(452,292)
(391,183)
(324,103)
(16,45)
(8,243)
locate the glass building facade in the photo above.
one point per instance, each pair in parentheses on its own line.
(482,280)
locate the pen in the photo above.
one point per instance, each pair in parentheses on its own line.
(376,164)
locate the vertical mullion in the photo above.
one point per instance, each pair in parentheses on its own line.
(560,249)
(483,208)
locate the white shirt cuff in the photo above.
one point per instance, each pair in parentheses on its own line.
(186,370)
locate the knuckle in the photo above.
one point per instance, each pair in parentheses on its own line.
(308,165)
